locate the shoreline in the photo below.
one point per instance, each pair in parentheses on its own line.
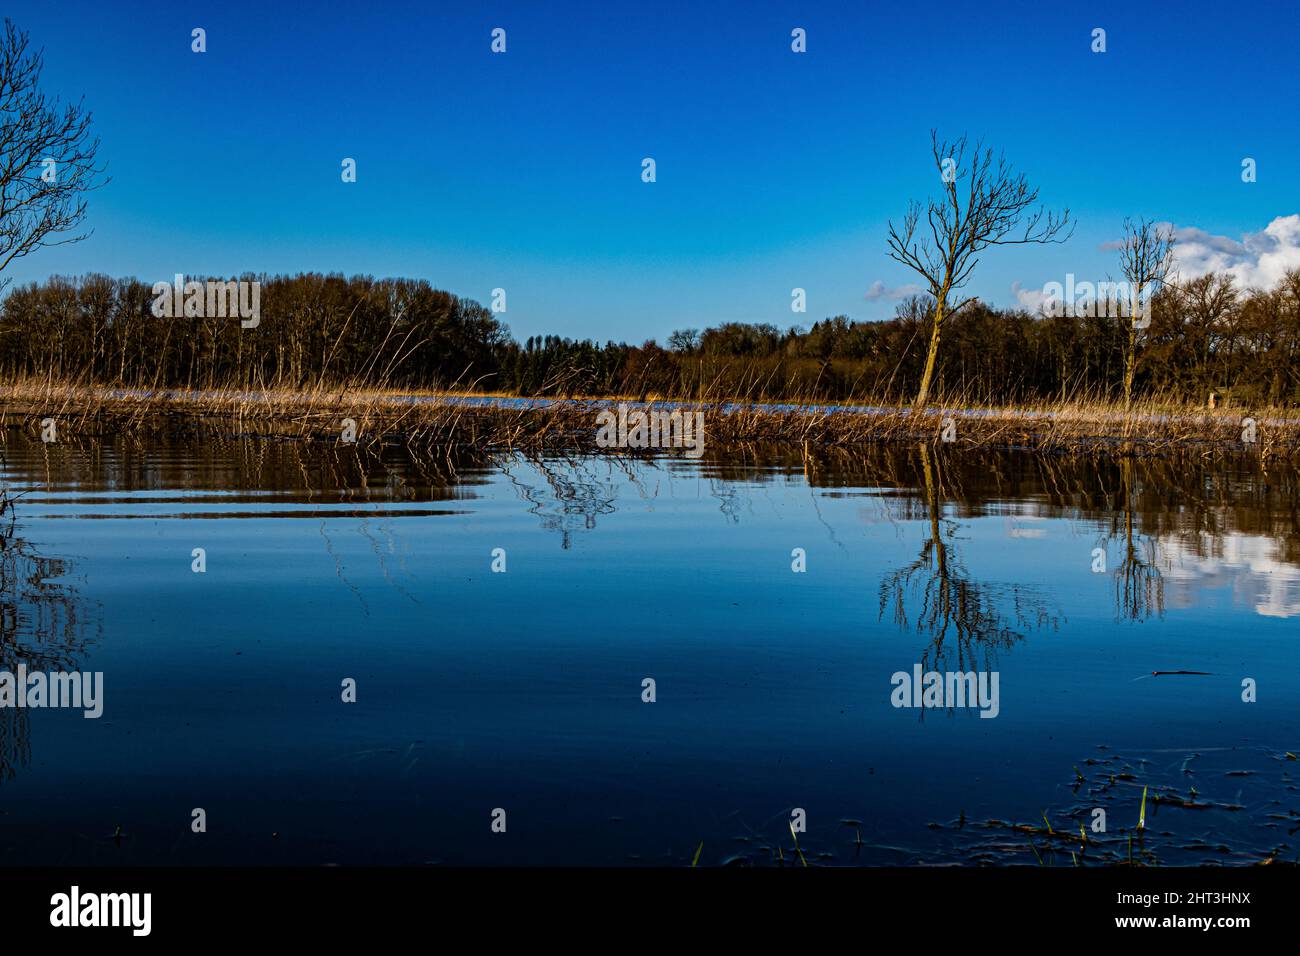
(432,418)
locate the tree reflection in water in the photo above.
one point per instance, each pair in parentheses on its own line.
(1139,585)
(39,626)
(967,620)
(573,497)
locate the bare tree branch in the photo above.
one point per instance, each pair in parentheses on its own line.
(1146,257)
(47,156)
(995,209)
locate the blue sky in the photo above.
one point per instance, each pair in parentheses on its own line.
(775,169)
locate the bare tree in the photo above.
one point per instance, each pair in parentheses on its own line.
(1146,257)
(684,340)
(1209,307)
(47,156)
(984,203)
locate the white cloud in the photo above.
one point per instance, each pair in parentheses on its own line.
(1257,261)
(879,290)
(1031,300)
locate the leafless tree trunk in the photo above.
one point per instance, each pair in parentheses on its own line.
(47,156)
(984,203)
(1146,258)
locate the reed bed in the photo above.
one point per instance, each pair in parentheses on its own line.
(447,419)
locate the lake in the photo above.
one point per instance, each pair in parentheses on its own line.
(671,656)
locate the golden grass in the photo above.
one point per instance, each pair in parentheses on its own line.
(432,419)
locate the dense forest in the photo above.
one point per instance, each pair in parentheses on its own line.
(1205,335)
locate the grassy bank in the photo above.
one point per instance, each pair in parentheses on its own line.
(432,419)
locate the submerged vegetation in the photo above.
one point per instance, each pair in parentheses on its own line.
(431,420)
(1173,823)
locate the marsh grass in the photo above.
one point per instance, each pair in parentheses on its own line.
(447,419)
(798,849)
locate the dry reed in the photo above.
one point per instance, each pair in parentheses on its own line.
(433,419)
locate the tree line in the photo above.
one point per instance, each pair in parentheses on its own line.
(1205,335)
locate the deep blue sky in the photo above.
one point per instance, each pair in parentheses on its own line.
(775,169)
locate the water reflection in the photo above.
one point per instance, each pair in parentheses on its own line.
(967,621)
(570,496)
(337,559)
(1249,566)
(1190,522)
(1139,585)
(40,626)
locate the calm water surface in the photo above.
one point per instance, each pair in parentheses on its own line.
(523,690)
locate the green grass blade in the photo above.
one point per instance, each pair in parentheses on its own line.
(797,847)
